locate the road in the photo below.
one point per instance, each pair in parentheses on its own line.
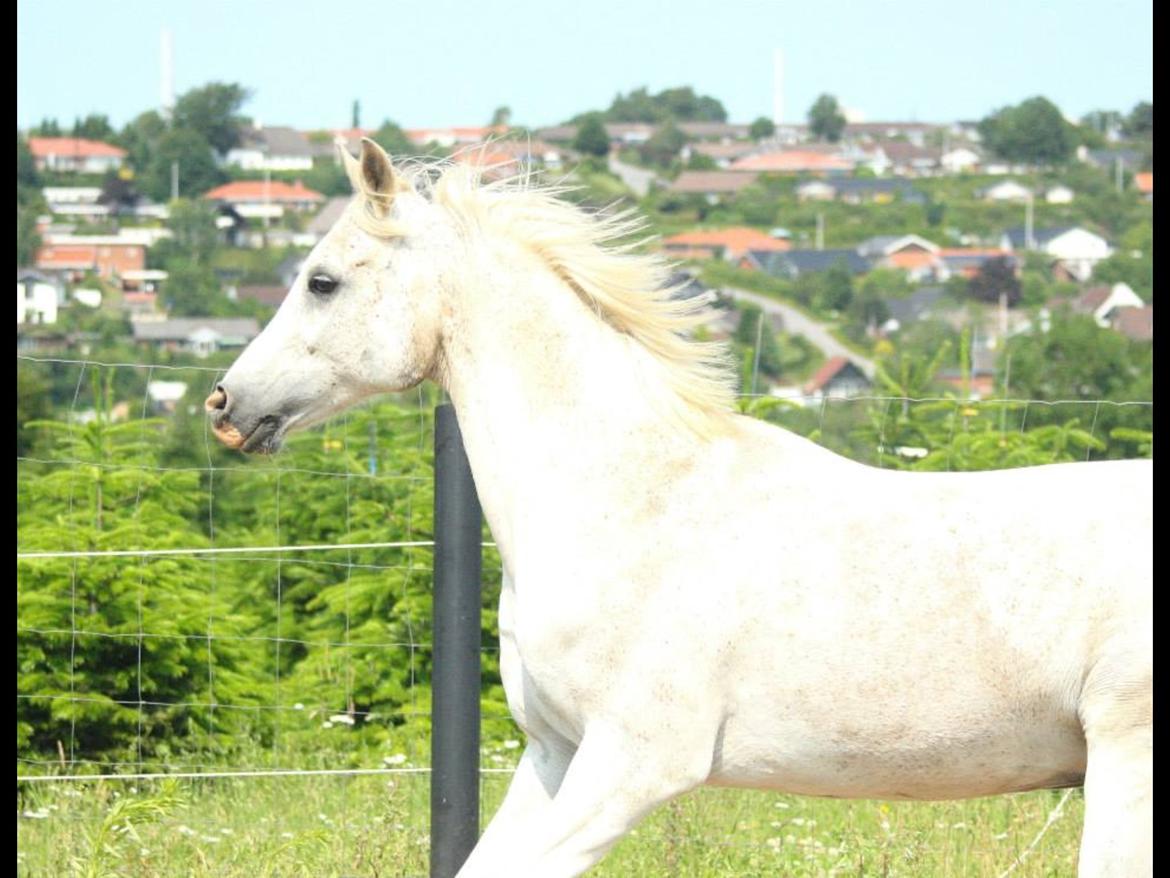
(638,179)
(797,323)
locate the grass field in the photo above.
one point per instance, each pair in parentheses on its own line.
(378,826)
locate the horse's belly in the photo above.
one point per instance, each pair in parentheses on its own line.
(890,759)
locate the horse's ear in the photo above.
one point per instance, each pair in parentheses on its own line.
(380,182)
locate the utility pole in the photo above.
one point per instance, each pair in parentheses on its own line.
(1118,164)
(759,337)
(174,180)
(1029,241)
(820,231)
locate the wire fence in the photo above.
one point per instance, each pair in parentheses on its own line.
(108,645)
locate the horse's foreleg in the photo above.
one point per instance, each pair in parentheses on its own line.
(614,780)
(538,776)
(1118,835)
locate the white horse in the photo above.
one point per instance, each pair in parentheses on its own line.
(696,597)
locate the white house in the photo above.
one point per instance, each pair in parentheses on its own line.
(1105,300)
(79,201)
(958,160)
(815,190)
(1005,190)
(1059,194)
(274,148)
(37,298)
(1073,249)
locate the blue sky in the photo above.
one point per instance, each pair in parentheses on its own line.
(437,62)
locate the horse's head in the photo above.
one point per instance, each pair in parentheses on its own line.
(361,318)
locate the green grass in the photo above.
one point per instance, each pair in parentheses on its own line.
(378,826)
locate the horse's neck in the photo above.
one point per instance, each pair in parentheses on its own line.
(550,400)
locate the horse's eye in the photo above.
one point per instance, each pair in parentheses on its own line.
(322,283)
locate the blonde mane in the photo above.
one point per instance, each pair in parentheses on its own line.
(593,254)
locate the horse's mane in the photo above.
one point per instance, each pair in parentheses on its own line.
(594,254)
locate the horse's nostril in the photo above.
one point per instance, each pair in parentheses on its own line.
(217,402)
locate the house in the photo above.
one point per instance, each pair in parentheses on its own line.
(968,261)
(165,396)
(265,198)
(1059,194)
(730,244)
(82,202)
(815,190)
(959,160)
(916,256)
(272,148)
(1101,301)
(722,131)
(75,154)
(201,336)
(1110,159)
(712,184)
(1074,250)
(723,154)
(452,136)
(1005,190)
(860,190)
(794,161)
(793,263)
(913,308)
(909,160)
(1144,183)
(108,256)
(37,297)
(838,378)
(1136,323)
(914,132)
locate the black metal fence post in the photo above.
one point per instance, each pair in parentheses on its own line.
(455,674)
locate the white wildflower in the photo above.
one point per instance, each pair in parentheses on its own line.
(396,759)
(341,718)
(298,706)
(784,805)
(511,745)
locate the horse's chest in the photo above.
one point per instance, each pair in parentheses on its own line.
(556,666)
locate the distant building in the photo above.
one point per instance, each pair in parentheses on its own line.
(860,190)
(1136,323)
(838,378)
(272,148)
(107,256)
(916,256)
(912,309)
(76,201)
(959,160)
(729,244)
(793,263)
(1059,194)
(1144,183)
(794,161)
(1005,190)
(75,154)
(37,298)
(265,198)
(1074,251)
(711,184)
(201,336)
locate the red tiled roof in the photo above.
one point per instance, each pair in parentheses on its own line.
(826,373)
(1091,299)
(73,147)
(702,182)
(1144,182)
(791,160)
(255,190)
(737,239)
